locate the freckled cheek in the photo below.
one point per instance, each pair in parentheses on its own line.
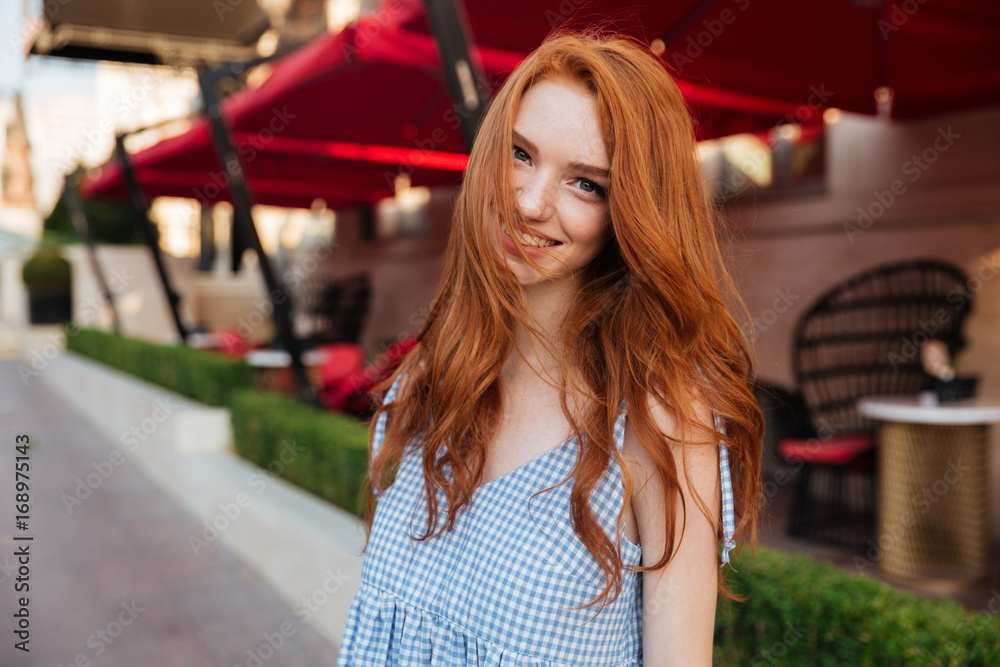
(591,233)
(603,231)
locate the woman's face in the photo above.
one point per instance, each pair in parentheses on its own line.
(561,174)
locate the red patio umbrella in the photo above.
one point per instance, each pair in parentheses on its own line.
(936,55)
(370,99)
(342,116)
(337,119)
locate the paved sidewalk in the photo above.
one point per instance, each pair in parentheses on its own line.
(114,582)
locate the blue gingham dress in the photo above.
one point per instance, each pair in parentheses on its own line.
(497,589)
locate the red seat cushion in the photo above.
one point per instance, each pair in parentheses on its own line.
(232,343)
(350,393)
(838,450)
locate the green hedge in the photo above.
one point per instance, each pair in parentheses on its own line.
(321,452)
(797,612)
(803,612)
(204,376)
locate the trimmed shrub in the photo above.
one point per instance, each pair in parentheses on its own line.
(109,221)
(47,269)
(803,612)
(203,376)
(324,453)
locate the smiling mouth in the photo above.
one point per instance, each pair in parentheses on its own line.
(534,241)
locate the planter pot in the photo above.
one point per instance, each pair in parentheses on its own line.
(50,306)
(960,388)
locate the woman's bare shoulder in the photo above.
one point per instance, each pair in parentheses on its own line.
(640,460)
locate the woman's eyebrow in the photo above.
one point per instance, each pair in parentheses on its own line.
(586,169)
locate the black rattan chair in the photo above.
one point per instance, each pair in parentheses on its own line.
(862,338)
(333,312)
(342,308)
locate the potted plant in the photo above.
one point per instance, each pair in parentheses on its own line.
(947,386)
(48,278)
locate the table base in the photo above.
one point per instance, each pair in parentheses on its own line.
(933,505)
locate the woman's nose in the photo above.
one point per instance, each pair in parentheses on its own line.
(535,198)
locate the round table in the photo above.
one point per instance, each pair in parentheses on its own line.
(934,492)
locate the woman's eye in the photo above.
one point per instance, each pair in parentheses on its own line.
(518,152)
(591,187)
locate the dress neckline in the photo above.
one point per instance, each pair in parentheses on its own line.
(511,473)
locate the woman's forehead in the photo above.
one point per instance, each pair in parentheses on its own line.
(561,116)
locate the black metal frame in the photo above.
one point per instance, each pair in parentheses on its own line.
(244,228)
(206,256)
(451,32)
(141,209)
(82,227)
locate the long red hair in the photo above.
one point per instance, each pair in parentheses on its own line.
(650,311)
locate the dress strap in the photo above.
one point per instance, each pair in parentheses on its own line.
(728,512)
(380,423)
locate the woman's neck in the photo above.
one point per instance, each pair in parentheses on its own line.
(548,304)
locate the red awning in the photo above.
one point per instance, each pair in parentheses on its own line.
(335,120)
(936,55)
(339,118)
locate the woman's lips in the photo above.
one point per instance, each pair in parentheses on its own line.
(530,250)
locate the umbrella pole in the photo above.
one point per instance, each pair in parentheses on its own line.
(141,209)
(450,27)
(236,247)
(244,228)
(79,218)
(206,230)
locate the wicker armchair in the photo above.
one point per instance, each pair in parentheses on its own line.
(333,312)
(862,338)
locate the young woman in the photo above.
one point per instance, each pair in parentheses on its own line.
(560,437)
